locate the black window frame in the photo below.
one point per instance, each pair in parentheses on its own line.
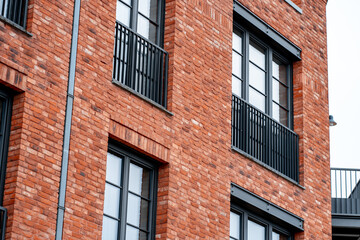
(6,96)
(128,156)
(139,64)
(270,53)
(246,215)
(160,19)
(263,211)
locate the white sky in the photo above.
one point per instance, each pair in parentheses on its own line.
(343,27)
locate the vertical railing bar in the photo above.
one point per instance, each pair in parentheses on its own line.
(166,79)
(144,67)
(124,49)
(161,58)
(25,6)
(161,77)
(20,6)
(115,71)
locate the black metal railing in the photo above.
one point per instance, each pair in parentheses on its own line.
(345,191)
(268,141)
(3,217)
(140,65)
(15,11)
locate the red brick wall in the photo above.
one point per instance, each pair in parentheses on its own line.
(194,144)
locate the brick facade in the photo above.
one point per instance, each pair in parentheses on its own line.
(193,144)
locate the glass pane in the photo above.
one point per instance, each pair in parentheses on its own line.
(139,180)
(276,112)
(257,78)
(255,231)
(236,86)
(236,64)
(149,9)
(280,93)
(234,225)
(146,29)
(112,201)
(137,213)
(110,229)
(280,114)
(132,233)
(278,236)
(113,169)
(123,13)
(275,69)
(237,41)
(282,74)
(279,71)
(257,55)
(257,99)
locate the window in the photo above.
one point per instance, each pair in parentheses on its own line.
(140,64)
(262,115)
(261,77)
(130,197)
(254,218)
(142,16)
(5,121)
(246,226)
(15,11)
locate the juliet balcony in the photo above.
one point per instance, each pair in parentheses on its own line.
(265,140)
(140,66)
(14,11)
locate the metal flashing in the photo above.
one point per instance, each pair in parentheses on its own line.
(267,30)
(267,207)
(296,7)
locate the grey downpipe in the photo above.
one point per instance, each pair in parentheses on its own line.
(67,127)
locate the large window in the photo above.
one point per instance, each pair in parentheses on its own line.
(262,115)
(247,226)
(5,120)
(261,76)
(140,64)
(254,218)
(130,197)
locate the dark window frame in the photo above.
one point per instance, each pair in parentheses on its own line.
(6,97)
(246,215)
(160,19)
(128,156)
(270,53)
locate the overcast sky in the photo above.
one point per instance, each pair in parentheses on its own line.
(343,27)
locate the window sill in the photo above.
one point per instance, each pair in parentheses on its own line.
(17,26)
(267,167)
(296,7)
(155,104)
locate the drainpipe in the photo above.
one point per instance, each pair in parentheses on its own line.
(68,117)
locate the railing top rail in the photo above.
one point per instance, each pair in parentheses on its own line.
(345,169)
(266,115)
(142,37)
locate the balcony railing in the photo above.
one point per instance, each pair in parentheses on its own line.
(140,65)
(15,11)
(3,217)
(345,191)
(266,140)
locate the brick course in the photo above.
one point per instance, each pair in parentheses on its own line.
(194,144)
